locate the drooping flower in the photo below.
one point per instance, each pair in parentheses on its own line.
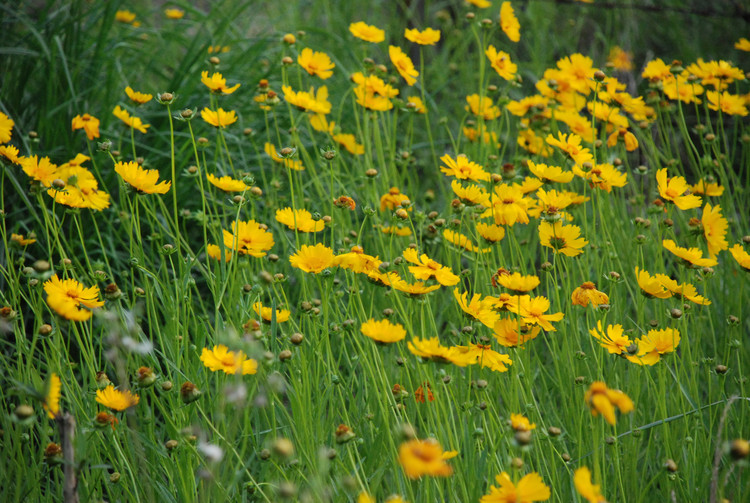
(427,268)
(603,400)
(741,256)
(70,299)
(530,488)
(430,349)
(366,32)
(673,190)
(313,258)
(742,44)
(393,199)
(9,152)
(714,229)
(424,457)
(428,36)
(357,260)
(463,241)
(231,362)
(143,180)
(413,289)
(478,308)
(220,118)
(383,331)
(561,238)
(654,344)
(267,313)
(684,291)
(227,183)
(692,256)
(588,294)
(300,219)
(217,83)
(248,238)
(650,285)
(403,64)
(515,282)
(137,97)
(88,123)
(612,339)
(130,121)
(21,240)
(482,355)
(52,398)
(501,62)
(116,399)
(316,63)
(509,22)
(81,188)
(550,173)
(584,486)
(707,188)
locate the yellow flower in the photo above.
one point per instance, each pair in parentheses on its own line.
(131,121)
(365,498)
(427,268)
(520,422)
(44,171)
(490,232)
(316,63)
(349,142)
(301,220)
(482,106)
(515,282)
(216,49)
(613,339)
(684,291)
(690,255)
(603,176)
(462,241)
(672,189)
(248,238)
(115,399)
(293,164)
(529,141)
(655,344)
(620,59)
(682,89)
(124,16)
(21,240)
(657,71)
(742,44)
(393,199)
(714,229)
(424,457)
(398,231)
(602,400)
(509,22)
(428,36)
(383,331)
(227,183)
(143,180)
(315,102)
(550,173)
(68,298)
(174,13)
(313,258)
(482,4)
(136,97)
(413,289)
(217,83)
(367,32)
(463,169)
(587,293)
(706,188)
(741,256)
(403,64)
(214,252)
(578,71)
(650,285)
(561,238)
(532,311)
(52,398)
(480,354)
(88,123)
(357,260)
(571,145)
(501,62)
(231,362)
(267,313)
(220,118)
(488,137)
(415,103)
(511,333)
(477,308)
(9,152)
(730,104)
(530,488)
(81,188)
(584,486)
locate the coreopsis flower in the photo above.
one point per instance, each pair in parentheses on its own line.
(550,173)
(501,62)
(383,331)
(515,282)
(657,71)
(471,194)
(366,32)
(220,118)
(654,344)
(603,400)
(714,229)
(707,188)
(536,104)
(300,220)
(81,188)
(248,238)
(313,258)
(482,4)
(43,171)
(397,230)
(519,422)
(576,123)
(508,205)
(509,22)
(680,88)
(21,240)
(116,399)
(561,238)
(692,256)
(364,497)
(551,203)
(741,256)
(313,101)
(231,362)
(718,74)
(426,268)
(682,290)
(487,137)
(174,13)
(349,142)
(393,199)
(428,36)
(214,252)
(650,285)
(70,299)
(316,63)
(415,104)
(143,180)
(419,393)
(628,139)
(124,16)
(529,141)
(267,313)
(578,70)
(482,107)
(52,397)
(424,457)
(613,339)
(478,308)
(588,491)
(6,128)
(373,93)
(730,104)
(137,97)
(742,44)
(463,241)
(510,333)
(88,123)
(9,152)
(217,83)
(571,145)
(130,121)
(530,488)
(292,164)
(463,169)
(588,294)
(413,289)
(532,312)
(620,59)
(673,190)
(403,64)
(227,183)
(357,260)
(216,49)
(490,232)
(430,349)
(389,278)
(482,355)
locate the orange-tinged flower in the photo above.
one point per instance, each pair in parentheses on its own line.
(430,349)
(403,64)
(367,32)
(313,258)
(650,285)
(612,339)
(349,142)
(20,240)
(143,180)
(561,238)
(88,123)
(511,333)
(741,256)
(130,121)
(137,97)
(383,331)
(603,400)
(427,268)
(628,139)
(116,399)
(501,62)
(217,83)
(654,344)
(620,59)
(672,189)
(267,313)
(227,183)
(316,63)
(692,256)
(530,488)
(219,118)
(588,294)
(248,238)
(428,36)
(357,260)
(509,22)
(231,362)
(463,169)
(680,88)
(584,486)
(70,299)
(424,457)
(52,397)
